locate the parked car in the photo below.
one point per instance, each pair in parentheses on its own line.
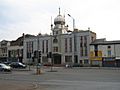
(68,65)
(76,65)
(17,65)
(47,64)
(7,63)
(39,64)
(5,68)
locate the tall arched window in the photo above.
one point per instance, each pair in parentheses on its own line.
(55,40)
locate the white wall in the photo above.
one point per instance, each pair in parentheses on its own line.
(117,50)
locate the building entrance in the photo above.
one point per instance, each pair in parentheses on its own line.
(56,58)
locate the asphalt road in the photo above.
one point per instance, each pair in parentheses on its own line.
(65,79)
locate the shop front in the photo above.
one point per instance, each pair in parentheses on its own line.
(109,62)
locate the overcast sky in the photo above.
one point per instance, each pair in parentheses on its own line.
(34,16)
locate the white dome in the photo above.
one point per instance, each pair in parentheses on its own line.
(59,20)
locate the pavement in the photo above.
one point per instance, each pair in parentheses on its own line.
(82,78)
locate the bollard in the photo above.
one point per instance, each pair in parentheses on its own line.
(38,69)
(38,72)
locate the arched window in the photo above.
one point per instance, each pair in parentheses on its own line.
(55,40)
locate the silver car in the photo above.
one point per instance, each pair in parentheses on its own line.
(5,68)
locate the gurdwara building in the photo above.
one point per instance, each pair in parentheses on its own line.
(61,47)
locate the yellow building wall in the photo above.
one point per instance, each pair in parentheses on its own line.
(93,57)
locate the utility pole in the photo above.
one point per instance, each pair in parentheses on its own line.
(73,21)
(73,35)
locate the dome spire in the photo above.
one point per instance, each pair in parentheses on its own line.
(59,10)
(59,19)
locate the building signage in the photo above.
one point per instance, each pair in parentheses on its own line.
(109,59)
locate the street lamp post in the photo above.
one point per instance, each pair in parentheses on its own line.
(73,36)
(73,21)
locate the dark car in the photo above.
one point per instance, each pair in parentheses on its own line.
(76,65)
(39,64)
(7,63)
(17,65)
(5,68)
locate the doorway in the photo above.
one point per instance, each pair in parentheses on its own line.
(56,58)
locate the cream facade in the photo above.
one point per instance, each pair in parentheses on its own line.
(66,46)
